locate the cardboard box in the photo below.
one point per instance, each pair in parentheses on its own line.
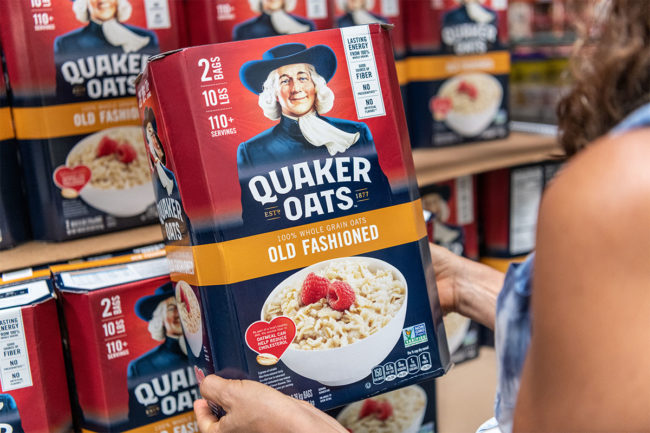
(34,390)
(407,410)
(74,109)
(213,21)
(458,70)
(509,203)
(125,340)
(453,205)
(250,208)
(13,214)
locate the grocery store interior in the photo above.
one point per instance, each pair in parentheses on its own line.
(83,233)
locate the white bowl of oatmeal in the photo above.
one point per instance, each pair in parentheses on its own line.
(475,100)
(456,326)
(408,409)
(190,313)
(341,347)
(117,188)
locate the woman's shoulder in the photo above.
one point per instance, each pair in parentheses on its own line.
(606,182)
(590,297)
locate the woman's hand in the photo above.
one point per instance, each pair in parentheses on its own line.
(466,287)
(449,269)
(255,408)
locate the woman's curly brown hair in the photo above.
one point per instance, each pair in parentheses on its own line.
(610,70)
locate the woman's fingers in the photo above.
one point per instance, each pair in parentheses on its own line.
(219,391)
(207,422)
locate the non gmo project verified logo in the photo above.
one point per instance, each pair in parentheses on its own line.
(414,335)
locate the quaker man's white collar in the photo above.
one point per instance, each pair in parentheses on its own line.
(320,133)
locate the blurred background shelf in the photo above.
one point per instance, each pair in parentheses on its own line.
(436,165)
(42,253)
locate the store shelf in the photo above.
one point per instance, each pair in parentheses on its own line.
(435,165)
(41,253)
(432,165)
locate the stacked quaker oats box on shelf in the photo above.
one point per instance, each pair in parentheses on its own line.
(451,213)
(13,215)
(287,196)
(33,386)
(126,346)
(72,67)
(509,204)
(213,21)
(405,410)
(458,69)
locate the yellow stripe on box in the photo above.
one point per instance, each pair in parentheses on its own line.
(501,264)
(402,72)
(169,425)
(6,125)
(428,68)
(33,123)
(270,253)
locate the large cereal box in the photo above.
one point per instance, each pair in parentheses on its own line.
(33,385)
(212,21)
(72,67)
(453,206)
(406,410)
(126,346)
(287,196)
(458,70)
(13,214)
(509,204)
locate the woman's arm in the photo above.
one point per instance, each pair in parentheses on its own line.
(588,366)
(466,287)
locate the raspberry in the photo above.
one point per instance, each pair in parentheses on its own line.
(368,408)
(385,410)
(185,301)
(468,89)
(125,153)
(199,374)
(340,295)
(440,107)
(314,288)
(107,146)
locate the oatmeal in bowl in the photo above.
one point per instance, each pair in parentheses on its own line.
(468,102)
(349,313)
(190,312)
(399,411)
(120,182)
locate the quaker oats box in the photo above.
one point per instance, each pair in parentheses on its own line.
(72,67)
(406,410)
(13,215)
(212,21)
(137,376)
(453,207)
(458,69)
(288,200)
(509,203)
(33,386)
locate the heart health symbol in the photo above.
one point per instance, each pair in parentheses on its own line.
(73,178)
(271,337)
